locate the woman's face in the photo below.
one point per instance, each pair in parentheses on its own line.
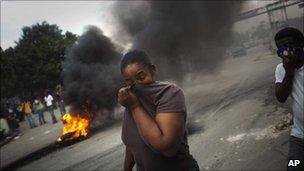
(137,73)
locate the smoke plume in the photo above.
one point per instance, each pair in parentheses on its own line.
(90,71)
(181,36)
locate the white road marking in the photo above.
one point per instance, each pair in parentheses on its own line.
(236,137)
(47,132)
(257,134)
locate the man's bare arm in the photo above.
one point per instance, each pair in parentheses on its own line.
(282,90)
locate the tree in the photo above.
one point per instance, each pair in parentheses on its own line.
(36,59)
(8,76)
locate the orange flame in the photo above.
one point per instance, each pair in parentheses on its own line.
(75,126)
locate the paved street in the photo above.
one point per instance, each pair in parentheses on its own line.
(31,139)
(233,118)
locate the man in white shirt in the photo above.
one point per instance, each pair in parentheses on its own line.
(49,105)
(289,82)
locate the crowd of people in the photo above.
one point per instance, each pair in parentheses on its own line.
(32,110)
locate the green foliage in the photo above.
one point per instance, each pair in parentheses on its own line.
(8,76)
(34,64)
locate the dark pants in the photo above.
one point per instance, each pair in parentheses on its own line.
(296,152)
(62,107)
(20,116)
(13,124)
(30,120)
(51,110)
(41,116)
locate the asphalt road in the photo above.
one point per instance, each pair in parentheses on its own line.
(232,116)
(31,139)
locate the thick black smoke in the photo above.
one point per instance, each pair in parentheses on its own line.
(91,72)
(179,36)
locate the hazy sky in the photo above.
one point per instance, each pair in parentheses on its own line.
(68,15)
(75,15)
(244,25)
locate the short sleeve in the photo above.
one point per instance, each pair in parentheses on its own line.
(172,100)
(51,98)
(279,73)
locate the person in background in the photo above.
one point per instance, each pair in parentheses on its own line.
(27,109)
(39,109)
(60,99)
(20,112)
(10,118)
(49,105)
(14,125)
(289,82)
(4,127)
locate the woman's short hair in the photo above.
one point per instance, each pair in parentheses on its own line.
(135,56)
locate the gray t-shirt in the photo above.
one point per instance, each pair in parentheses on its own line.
(297,94)
(158,97)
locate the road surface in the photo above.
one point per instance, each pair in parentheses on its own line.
(234,121)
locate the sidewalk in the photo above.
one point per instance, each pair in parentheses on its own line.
(31,140)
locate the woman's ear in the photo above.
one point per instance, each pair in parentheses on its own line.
(153,69)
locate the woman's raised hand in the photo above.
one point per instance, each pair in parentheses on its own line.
(127,98)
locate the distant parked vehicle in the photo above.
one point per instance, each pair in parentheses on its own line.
(4,129)
(237,51)
(249,44)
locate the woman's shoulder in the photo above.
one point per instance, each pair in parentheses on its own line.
(169,85)
(171,99)
(169,90)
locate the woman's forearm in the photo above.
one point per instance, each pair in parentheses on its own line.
(149,129)
(129,160)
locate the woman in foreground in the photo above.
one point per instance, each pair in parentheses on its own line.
(154,130)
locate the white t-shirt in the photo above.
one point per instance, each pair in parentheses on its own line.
(48,100)
(297,94)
